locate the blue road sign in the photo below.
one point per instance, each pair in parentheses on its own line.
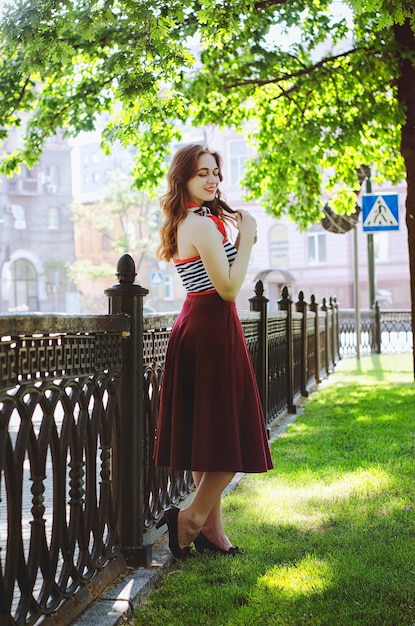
(156,278)
(380,212)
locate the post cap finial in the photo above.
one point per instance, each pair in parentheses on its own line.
(259,288)
(126,269)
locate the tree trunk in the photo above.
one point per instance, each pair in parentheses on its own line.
(406,96)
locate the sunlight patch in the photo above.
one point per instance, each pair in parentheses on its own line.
(308,577)
(360,482)
(308,506)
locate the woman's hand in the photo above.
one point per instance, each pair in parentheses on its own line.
(246,225)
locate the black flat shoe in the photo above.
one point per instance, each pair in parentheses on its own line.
(204,545)
(170,518)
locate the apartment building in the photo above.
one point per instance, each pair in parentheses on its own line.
(316,261)
(39,239)
(36,232)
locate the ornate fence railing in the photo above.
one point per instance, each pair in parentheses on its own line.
(80,494)
(59,489)
(383,332)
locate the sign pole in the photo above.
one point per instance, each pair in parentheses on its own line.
(370,254)
(380,213)
(356,293)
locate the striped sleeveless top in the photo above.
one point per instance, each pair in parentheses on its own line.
(194,276)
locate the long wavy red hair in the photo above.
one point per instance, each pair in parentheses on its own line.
(174,202)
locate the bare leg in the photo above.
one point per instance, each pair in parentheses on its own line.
(206,501)
(213,527)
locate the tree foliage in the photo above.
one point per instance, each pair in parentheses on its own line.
(324,102)
(128,220)
(389,12)
(64,62)
(316,107)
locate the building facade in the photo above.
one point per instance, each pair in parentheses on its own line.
(110,218)
(319,262)
(36,232)
(39,239)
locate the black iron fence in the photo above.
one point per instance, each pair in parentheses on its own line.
(383,332)
(80,494)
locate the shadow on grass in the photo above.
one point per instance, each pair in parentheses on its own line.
(351,569)
(333,574)
(378,367)
(329,534)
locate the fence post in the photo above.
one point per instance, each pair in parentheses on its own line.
(337,335)
(301,307)
(326,336)
(285,304)
(333,333)
(259,303)
(378,340)
(127,298)
(313,306)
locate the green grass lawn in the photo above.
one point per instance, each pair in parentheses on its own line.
(329,533)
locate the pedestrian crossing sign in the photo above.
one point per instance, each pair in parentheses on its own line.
(380,212)
(156,278)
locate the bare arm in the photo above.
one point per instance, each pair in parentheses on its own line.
(207,240)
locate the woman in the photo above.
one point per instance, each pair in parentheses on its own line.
(210,418)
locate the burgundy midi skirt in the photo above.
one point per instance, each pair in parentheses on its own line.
(210,416)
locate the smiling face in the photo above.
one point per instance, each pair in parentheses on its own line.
(203,185)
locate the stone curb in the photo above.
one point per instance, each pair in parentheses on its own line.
(118,604)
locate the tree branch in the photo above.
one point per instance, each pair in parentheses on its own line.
(265,4)
(23,90)
(303,72)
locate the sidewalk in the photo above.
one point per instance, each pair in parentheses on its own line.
(119,602)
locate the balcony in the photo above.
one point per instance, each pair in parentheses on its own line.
(24,186)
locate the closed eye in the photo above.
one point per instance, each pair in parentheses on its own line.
(205,172)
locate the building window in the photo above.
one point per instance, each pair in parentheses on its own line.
(129,234)
(30,179)
(30,174)
(52,174)
(19,216)
(53,218)
(168,291)
(238,154)
(278,246)
(316,248)
(23,293)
